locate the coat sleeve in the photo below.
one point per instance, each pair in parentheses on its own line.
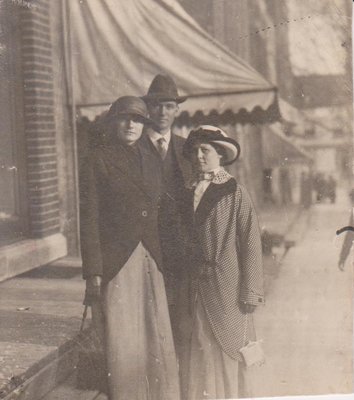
(249,246)
(89,220)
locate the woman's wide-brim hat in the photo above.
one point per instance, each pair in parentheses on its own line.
(129,105)
(163,88)
(212,134)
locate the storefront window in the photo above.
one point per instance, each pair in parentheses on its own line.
(12,221)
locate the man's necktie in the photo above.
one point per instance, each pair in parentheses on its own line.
(162,147)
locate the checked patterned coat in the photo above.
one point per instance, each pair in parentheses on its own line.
(225,259)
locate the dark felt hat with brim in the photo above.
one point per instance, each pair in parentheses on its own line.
(129,105)
(212,135)
(163,88)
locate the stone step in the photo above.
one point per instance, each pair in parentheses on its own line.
(48,373)
(41,314)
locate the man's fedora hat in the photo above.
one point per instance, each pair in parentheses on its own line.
(163,88)
(129,105)
(212,134)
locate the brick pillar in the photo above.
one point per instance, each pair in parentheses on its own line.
(40,130)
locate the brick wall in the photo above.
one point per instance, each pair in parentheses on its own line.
(40,129)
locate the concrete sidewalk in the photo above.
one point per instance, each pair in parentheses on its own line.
(41,314)
(289,223)
(306,323)
(279,219)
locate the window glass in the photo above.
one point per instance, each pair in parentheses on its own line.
(11,131)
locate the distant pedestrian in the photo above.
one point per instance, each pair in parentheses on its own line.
(332,187)
(320,187)
(285,186)
(349,237)
(306,190)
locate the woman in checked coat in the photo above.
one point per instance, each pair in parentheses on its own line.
(225,270)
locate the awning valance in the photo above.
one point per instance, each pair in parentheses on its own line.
(118,46)
(278,150)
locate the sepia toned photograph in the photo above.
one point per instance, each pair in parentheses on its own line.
(176,199)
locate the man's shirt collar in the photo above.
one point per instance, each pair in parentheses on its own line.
(155,136)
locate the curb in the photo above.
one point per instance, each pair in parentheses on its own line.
(45,375)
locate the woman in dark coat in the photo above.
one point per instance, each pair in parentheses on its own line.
(122,259)
(225,268)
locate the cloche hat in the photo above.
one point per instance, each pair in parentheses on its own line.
(129,105)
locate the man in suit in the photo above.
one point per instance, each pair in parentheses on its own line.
(163,102)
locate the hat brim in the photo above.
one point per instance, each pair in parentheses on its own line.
(231,147)
(159,98)
(144,120)
(232,150)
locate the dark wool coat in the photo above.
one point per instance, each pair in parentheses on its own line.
(118,208)
(177,143)
(225,263)
(175,171)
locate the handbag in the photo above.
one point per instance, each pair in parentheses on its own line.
(91,365)
(252,352)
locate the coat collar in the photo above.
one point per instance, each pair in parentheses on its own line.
(222,185)
(220,177)
(184,165)
(150,169)
(117,156)
(214,193)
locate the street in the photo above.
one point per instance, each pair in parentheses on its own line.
(307,320)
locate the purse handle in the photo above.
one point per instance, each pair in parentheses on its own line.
(245,331)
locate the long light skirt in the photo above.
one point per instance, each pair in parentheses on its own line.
(210,373)
(140,351)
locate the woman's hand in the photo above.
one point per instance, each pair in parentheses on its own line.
(93,287)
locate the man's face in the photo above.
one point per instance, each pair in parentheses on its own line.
(129,128)
(163,113)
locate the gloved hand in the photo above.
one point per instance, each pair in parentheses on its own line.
(93,287)
(247,308)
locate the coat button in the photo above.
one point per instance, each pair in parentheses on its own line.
(144,213)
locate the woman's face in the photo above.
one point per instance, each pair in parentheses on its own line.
(205,158)
(129,129)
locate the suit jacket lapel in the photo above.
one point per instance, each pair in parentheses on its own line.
(147,143)
(151,168)
(184,166)
(187,206)
(213,194)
